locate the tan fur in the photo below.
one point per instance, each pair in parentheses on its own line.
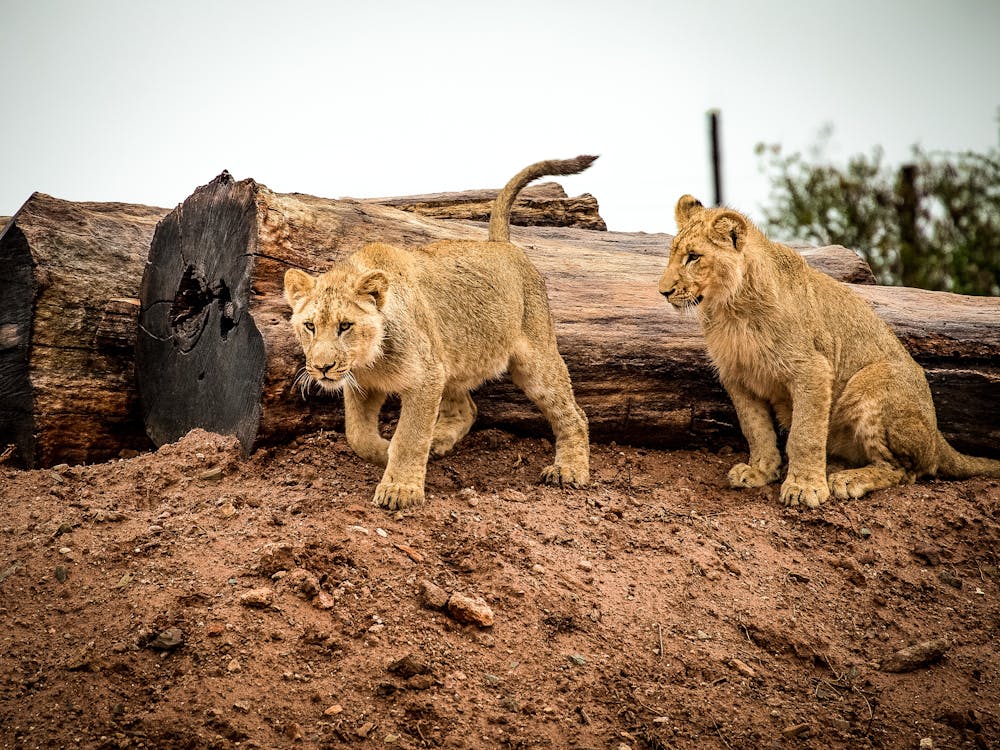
(791,342)
(431,325)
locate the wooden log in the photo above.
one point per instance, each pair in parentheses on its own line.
(543,205)
(216,350)
(68,307)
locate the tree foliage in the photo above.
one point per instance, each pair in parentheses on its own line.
(932,223)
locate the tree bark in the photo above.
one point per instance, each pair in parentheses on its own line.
(215,348)
(68,305)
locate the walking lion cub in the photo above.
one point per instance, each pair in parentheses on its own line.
(430,325)
(789,339)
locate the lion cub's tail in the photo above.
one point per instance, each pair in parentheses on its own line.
(955,465)
(500,214)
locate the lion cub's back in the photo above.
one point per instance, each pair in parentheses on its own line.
(481,291)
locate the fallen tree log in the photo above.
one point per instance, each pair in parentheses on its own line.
(68,306)
(543,205)
(215,349)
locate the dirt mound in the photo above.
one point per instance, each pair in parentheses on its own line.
(192,598)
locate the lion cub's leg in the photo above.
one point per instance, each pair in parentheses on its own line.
(361,426)
(806,482)
(883,420)
(541,373)
(455,417)
(757,424)
(402,483)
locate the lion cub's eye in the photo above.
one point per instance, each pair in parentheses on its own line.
(344,326)
(690,258)
(308,325)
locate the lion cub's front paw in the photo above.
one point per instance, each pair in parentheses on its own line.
(798,490)
(745,475)
(398,496)
(566,476)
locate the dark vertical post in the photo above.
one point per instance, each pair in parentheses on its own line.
(909,271)
(713,137)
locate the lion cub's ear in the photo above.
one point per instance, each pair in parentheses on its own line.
(687,207)
(731,227)
(373,284)
(297,285)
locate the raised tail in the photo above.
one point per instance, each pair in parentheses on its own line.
(955,465)
(500,213)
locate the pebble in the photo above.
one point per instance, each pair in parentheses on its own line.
(234,666)
(926,743)
(62,574)
(536,568)
(333,710)
(257,598)
(227,510)
(324,600)
(433,596)
(359,529)
(211,475)
(585,565)
(409,665)
(169,639)
(471,610)
(275,558)
(796,730)
(381,532)
(577,659)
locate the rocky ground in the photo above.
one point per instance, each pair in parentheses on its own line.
(194,598)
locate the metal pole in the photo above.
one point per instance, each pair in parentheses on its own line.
(714,138)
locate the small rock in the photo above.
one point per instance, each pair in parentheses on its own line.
(471,610)
(303,582)
(865,532)
(916,656)
(65,551)
(421,682)
(742,667)
(381,532)
(324,600)
(257,598)
(514,496)
(713,575)
(926,743)
(539,569)
(234,666)
(294,732)
(243,708)
(408,666)
(927,553)
(796,730)
(433,596)
(211,475)
(491,680)
(62,573)
(275,558)
(333,710)
(577,659)
(701,635)
(358,529)
(168,640)
(227,510)
(947,577)
(365,729)
(585,565)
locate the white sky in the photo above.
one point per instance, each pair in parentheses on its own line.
(143,101)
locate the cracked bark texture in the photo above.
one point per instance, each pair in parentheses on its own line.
(68,301)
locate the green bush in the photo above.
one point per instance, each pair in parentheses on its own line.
(932,223)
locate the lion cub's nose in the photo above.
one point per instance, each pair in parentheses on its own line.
(324,369)
(666,292)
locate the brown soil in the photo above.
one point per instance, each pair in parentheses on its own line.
(191,598)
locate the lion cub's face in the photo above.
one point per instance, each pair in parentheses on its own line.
(706,260)
(338,320)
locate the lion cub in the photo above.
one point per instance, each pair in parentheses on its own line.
(430,325)
(790,340)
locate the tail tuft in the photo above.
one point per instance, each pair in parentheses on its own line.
(500,213)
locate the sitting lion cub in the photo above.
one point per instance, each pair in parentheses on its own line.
(788,339)
(430,325)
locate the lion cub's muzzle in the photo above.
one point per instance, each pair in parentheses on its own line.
(681,300)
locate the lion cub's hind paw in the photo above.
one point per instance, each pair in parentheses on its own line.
(398,496)
(565,476)
(798,492)
(745,475)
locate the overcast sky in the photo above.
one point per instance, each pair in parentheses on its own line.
(141,102)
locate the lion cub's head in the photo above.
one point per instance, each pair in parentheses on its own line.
(338,319)
(707,262)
